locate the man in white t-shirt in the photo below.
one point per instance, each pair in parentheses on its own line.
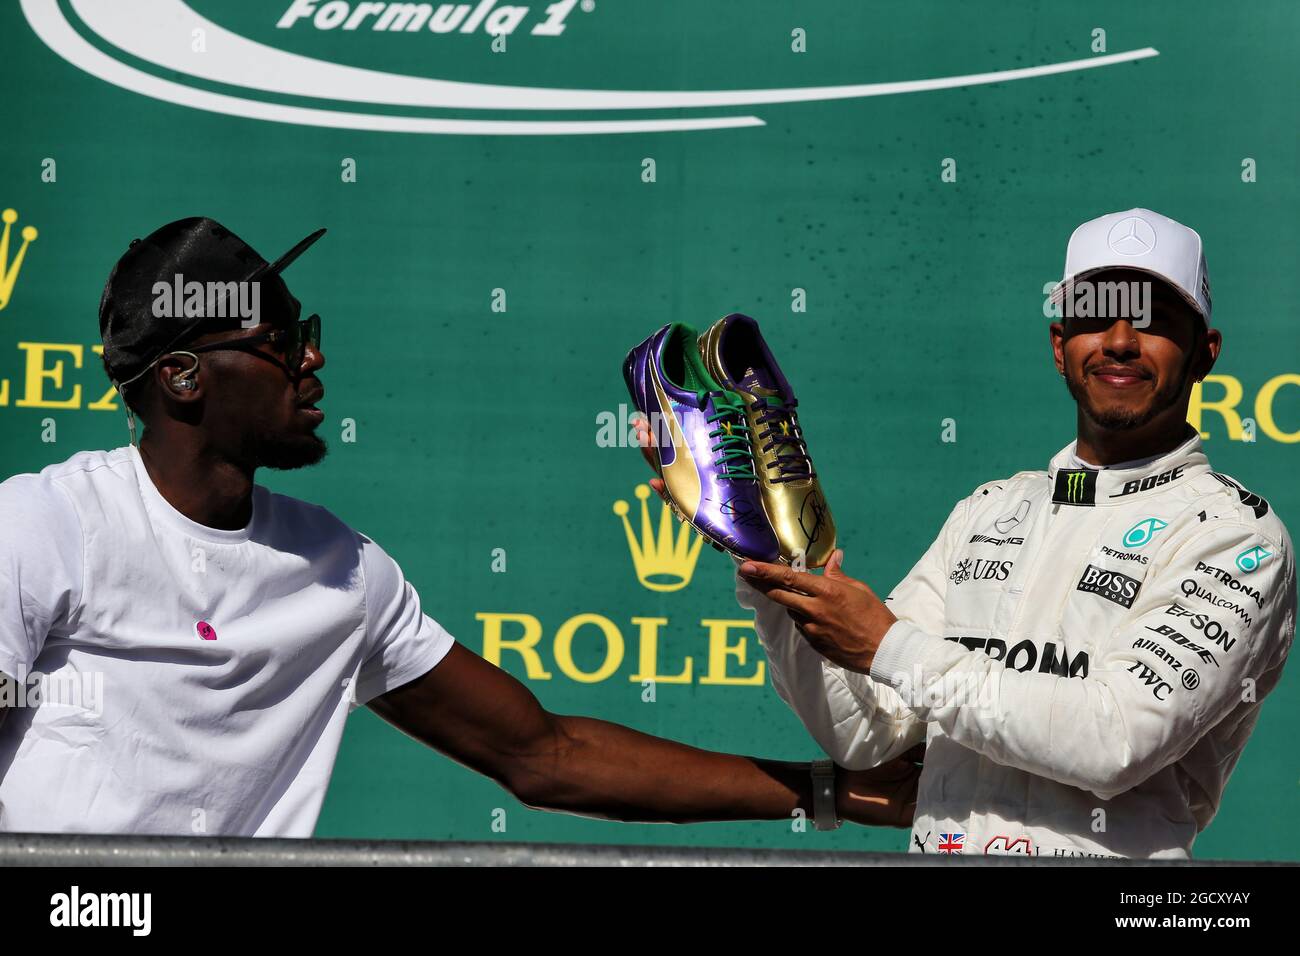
(180,647)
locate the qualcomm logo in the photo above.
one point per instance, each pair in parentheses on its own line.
(147,30)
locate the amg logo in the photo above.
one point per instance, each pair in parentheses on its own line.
(1150,481)
(977,538)
(1024,656)
(1113,586)
(1123,555)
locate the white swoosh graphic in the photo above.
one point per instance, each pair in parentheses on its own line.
(48,23)
(158,31)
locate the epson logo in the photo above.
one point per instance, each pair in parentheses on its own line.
(1214,631)
(1113,586)
(1150,481)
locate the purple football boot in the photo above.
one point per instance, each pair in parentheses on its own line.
(701,442)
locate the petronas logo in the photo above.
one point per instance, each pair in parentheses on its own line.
(1074,486)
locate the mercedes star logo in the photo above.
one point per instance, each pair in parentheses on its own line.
(1132,237)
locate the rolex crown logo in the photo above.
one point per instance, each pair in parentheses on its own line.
(9,271)
(664,561)
(1074,486)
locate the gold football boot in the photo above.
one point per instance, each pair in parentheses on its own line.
(737,357)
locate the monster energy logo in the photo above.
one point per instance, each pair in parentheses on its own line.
(1075,487)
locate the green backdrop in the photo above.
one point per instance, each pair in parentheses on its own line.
(477,429)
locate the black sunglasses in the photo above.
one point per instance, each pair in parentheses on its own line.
(291,341)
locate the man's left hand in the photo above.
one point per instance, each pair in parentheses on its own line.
(839,616)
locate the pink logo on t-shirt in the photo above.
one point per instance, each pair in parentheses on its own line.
(205,631)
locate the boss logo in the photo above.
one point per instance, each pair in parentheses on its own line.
(1113,586)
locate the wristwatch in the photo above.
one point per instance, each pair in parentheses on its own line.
(823,783)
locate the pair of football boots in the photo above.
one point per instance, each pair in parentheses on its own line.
(727,441)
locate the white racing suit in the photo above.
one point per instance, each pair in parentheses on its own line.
(1084,653)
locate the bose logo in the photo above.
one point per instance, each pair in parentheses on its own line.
(1150,481)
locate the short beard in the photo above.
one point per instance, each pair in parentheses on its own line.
(285,454)
(1122,419)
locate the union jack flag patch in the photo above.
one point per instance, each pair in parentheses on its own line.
(951,842)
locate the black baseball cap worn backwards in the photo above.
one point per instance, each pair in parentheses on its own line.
(137,333)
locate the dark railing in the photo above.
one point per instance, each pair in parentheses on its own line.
(18,849)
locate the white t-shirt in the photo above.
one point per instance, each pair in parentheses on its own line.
(195,681)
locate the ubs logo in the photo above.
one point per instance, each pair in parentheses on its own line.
(980,570)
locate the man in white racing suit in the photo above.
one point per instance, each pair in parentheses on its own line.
(1083,650)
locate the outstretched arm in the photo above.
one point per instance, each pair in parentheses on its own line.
(480,716)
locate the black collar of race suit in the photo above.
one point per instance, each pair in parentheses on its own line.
(1091,487)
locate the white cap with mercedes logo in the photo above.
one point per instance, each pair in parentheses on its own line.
(1146,241)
